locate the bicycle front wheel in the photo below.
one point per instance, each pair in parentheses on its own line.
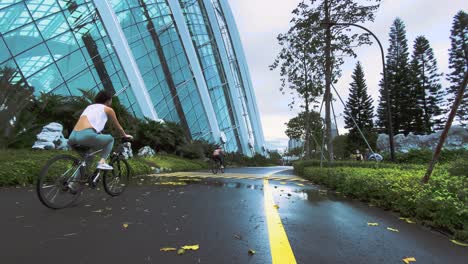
(215,166)
(53,184)
(116,180)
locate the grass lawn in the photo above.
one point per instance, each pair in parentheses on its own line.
(21,167)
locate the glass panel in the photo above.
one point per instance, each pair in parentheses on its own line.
(13,17)
(52,26)
(46,80)
(83,81)
(62,90)
(22,38)
(41,8)
(62,45)
(34,59)
(72,64)
(4,52)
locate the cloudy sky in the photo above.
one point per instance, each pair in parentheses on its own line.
(258,29)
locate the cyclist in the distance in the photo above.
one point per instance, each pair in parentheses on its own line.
(218,155)
(92,121)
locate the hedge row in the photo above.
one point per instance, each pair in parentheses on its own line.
(442,203)
(21,167)
(300,165)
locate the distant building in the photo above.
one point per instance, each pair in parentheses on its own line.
(295,143)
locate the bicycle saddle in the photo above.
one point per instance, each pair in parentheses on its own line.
(79,148)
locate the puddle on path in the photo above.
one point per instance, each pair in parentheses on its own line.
(180,181)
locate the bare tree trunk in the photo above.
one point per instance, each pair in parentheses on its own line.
(328,75)
(307,119)
(443,136)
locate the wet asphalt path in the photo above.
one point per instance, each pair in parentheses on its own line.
(225,217)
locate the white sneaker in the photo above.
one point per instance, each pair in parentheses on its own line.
(104,166)
(222,167)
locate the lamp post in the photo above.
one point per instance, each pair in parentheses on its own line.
(387,94)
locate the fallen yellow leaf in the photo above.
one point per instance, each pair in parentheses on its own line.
(372,224)
(459,243)
(283,182)
(392,229)
(251,252)
(181,251)
(276,206)
(167,249)
(125,225)
(194,247)
(409,221)
(97,211)
(408,260)
(299,184)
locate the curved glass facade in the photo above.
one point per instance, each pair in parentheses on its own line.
(213,71)
(61,47)
(152,35)
(169,59)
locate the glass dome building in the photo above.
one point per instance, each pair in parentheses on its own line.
(175,60)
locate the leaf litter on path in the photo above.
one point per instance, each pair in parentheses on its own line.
(372,224)
(407,220)
(393,229)
(408,260)
(181,250)
(165,249)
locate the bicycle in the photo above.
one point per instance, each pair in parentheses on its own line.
(61,170)
(216,166)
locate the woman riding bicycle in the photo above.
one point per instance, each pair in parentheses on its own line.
(92,121)
(218,155)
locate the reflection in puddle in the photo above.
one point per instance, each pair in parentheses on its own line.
(316,195)
(175,181)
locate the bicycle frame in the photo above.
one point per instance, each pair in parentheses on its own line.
(82,168)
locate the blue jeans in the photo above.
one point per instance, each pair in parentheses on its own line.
(89,138)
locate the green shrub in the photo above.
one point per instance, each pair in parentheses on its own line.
(197,150)
(300,165)
(424,156)
(459,167)
(441,203)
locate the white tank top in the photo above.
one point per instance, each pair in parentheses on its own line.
(96,116)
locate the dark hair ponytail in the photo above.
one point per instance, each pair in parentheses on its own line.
(102,97)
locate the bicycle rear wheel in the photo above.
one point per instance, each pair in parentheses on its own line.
(52,185)
(116,180)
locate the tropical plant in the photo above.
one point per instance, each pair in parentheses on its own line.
(16,100)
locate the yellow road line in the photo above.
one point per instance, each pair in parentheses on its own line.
(226,176)
(281,251)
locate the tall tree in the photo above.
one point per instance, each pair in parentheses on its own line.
(325,50)
(426,87)
(338,41)
(299,126)
(359,106)
(398,83)
(299,67)
(458,63)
